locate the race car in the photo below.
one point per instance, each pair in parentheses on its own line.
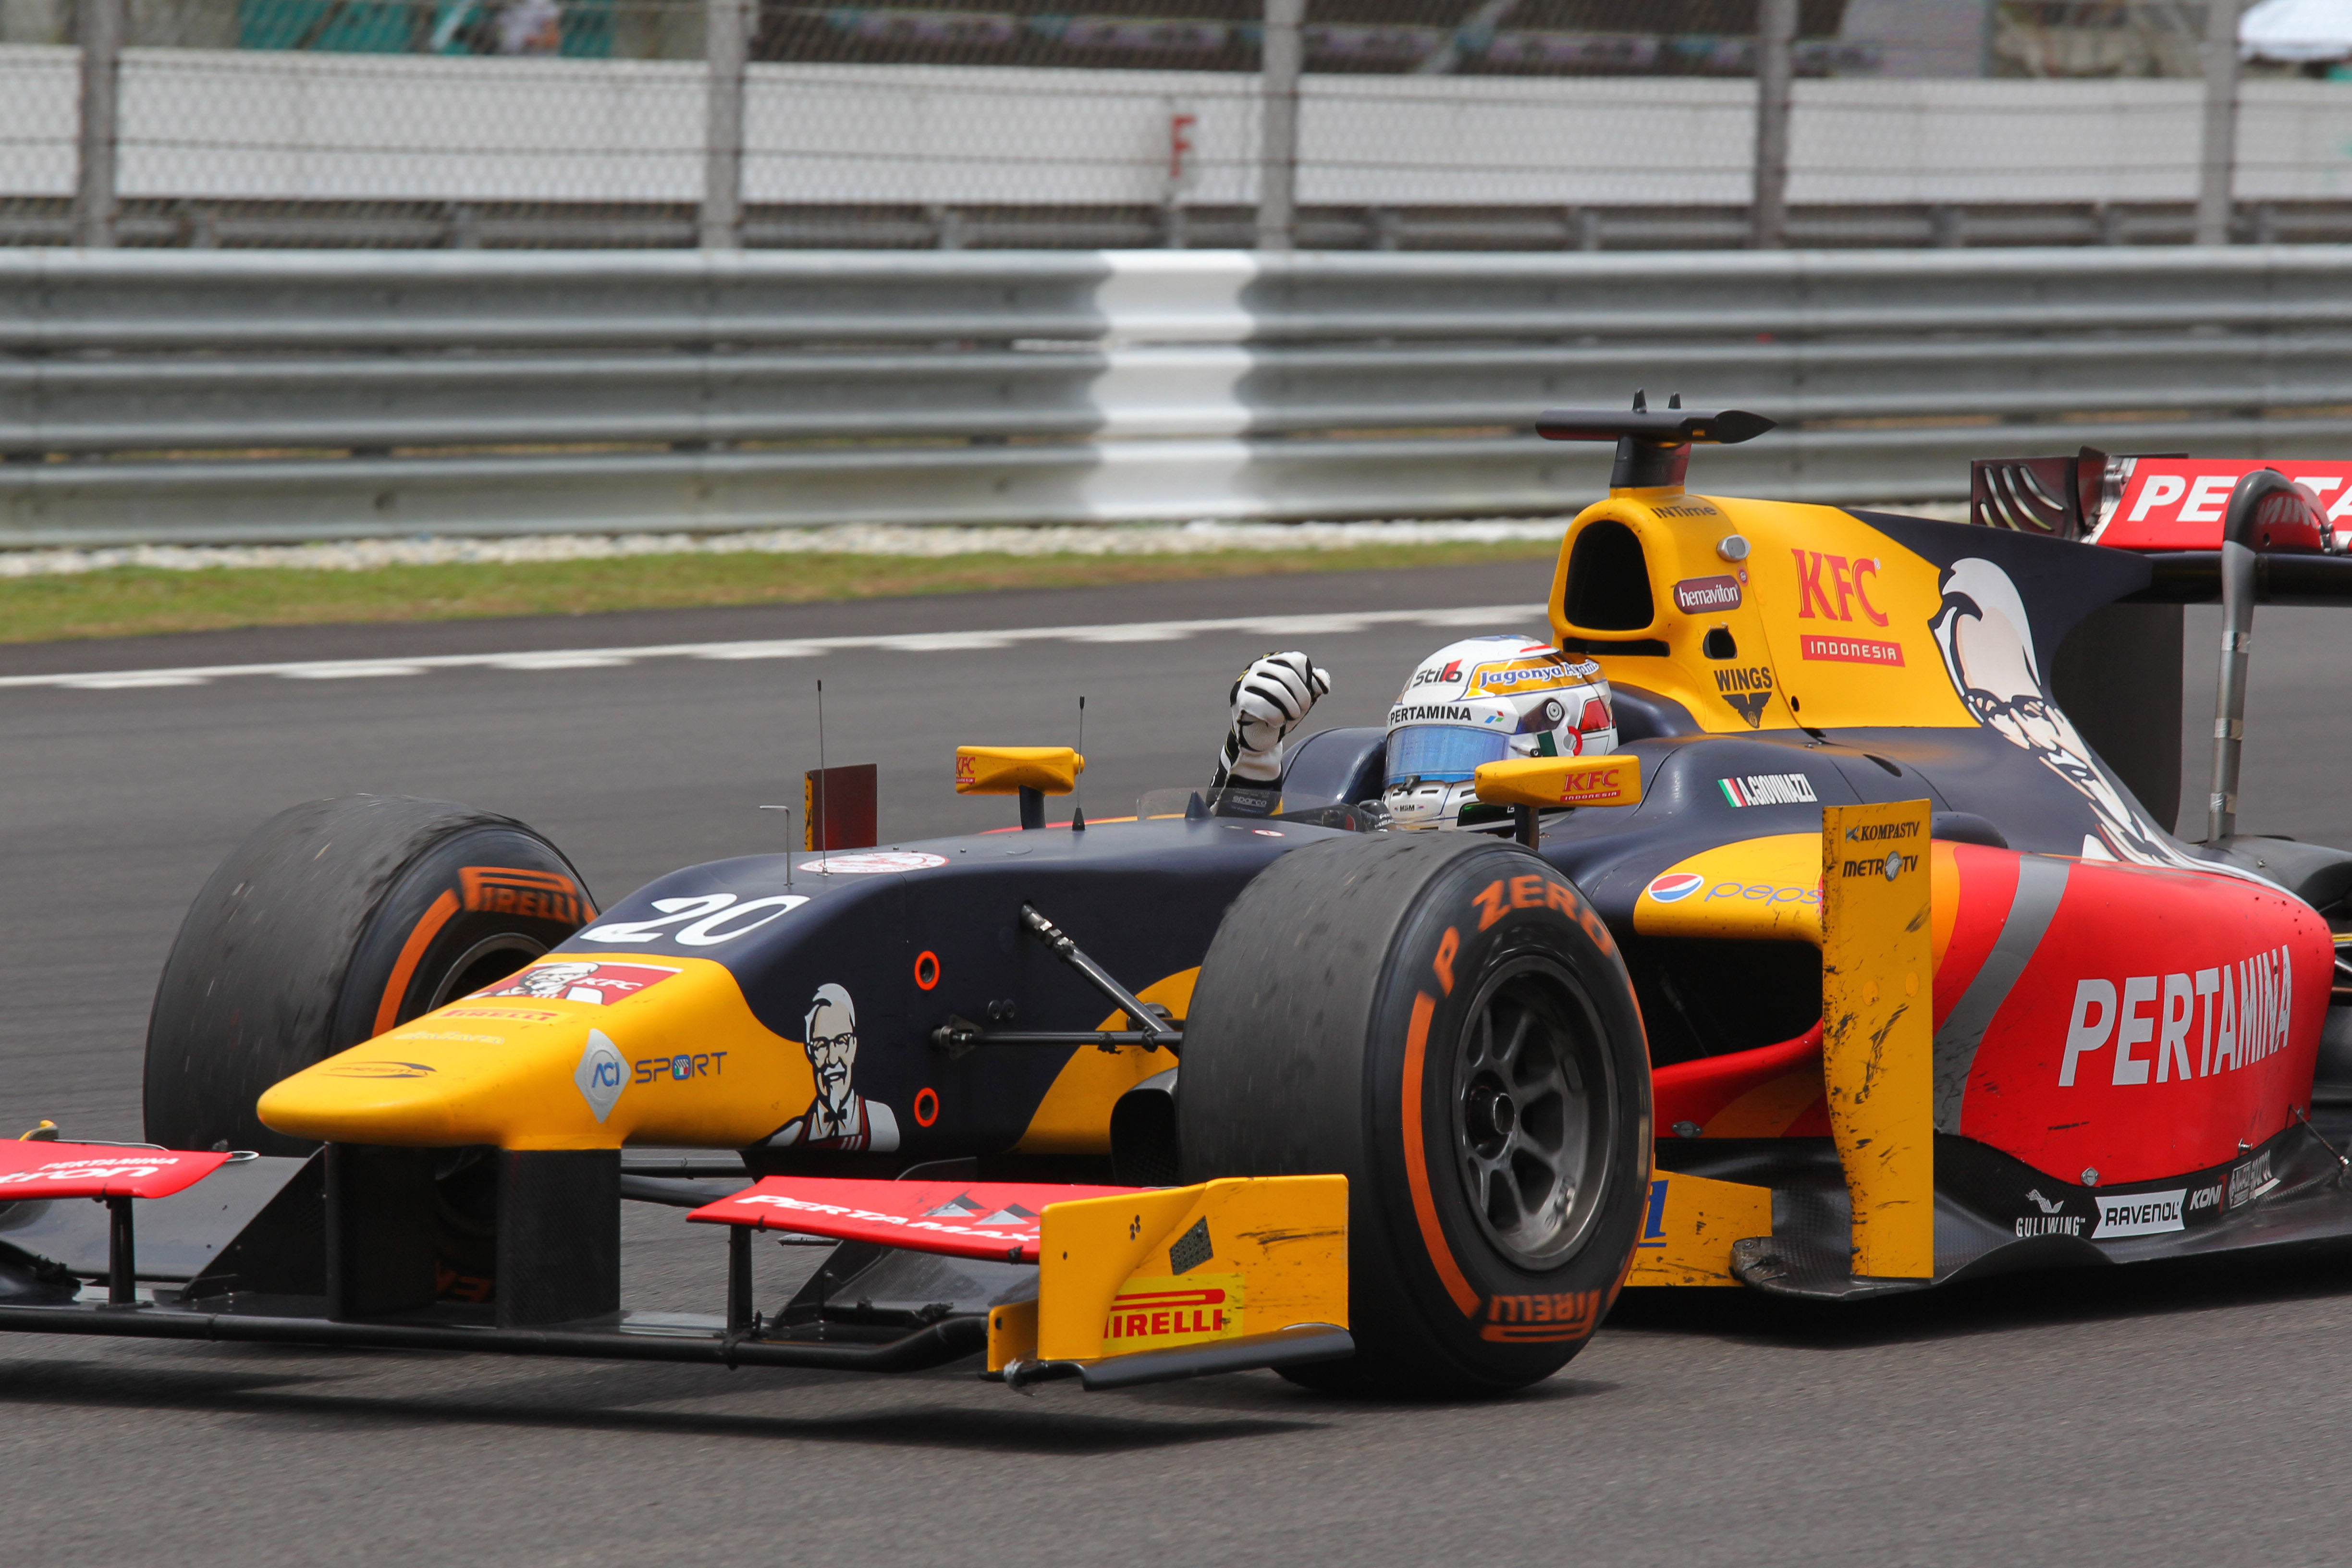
(1855,967)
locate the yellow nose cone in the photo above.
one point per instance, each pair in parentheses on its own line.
(580,1051)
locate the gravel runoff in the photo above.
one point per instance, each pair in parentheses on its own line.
(854,538)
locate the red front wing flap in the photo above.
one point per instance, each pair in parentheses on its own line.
(997,1221)
(43,1170)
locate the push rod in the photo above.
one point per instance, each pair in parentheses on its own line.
(959,1035)
(1148,1023)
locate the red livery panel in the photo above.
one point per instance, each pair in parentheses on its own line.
(2176,503)
(1772,1092)
(2164,1020)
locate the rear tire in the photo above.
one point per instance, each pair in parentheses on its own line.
(1444,1020)
(335,921)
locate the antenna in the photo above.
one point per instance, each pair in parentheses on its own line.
(824,839)
(1077,781)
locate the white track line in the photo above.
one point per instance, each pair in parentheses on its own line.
(1499,616)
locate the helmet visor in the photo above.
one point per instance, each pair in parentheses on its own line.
(1443,752)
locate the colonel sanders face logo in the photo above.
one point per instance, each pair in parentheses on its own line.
(839,1117)
(832,1046)
(548,980)
(1988,645)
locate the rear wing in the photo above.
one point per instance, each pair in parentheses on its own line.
(2172,511)
(2241,532)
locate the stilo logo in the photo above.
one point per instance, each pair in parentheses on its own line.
(1676,886)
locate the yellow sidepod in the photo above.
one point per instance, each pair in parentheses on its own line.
(1764,889)
(679,1061)
(1768,889)
(1074,1116)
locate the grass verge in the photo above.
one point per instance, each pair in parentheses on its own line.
(132,601)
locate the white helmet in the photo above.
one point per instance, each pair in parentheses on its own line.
(1481,701)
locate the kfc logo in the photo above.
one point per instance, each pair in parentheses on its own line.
(1830,588)
(581,980)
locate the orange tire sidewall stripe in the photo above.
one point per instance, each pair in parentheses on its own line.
(1416,1162)
(387,1012)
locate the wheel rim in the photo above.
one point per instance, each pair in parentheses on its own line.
(1531,1114)
(486,963)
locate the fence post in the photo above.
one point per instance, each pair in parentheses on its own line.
(100,25)
(1278,175)
(727,46)
(2215,197)
(1776,37)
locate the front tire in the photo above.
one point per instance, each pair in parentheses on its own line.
(334,922)
(1444,1021)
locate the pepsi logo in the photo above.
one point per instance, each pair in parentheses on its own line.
(1676,886)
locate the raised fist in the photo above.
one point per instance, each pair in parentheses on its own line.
(1267,703)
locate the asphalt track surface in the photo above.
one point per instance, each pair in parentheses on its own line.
(2132,1417)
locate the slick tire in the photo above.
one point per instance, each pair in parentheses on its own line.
(335,921)
(1442,1020)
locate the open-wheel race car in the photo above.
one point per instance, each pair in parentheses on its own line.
(1855,966)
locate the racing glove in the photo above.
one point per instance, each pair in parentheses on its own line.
(1267,703)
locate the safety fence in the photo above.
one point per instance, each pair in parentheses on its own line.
(1379,124)
(173,395)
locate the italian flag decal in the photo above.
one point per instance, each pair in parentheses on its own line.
(1769,789)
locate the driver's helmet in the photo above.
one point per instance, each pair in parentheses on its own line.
(1481,701)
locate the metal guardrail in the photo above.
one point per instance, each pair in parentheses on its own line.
(202,224)
(251,395)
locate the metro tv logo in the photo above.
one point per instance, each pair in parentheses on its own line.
(1831,587)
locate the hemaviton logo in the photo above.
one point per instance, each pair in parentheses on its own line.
(1698,596)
